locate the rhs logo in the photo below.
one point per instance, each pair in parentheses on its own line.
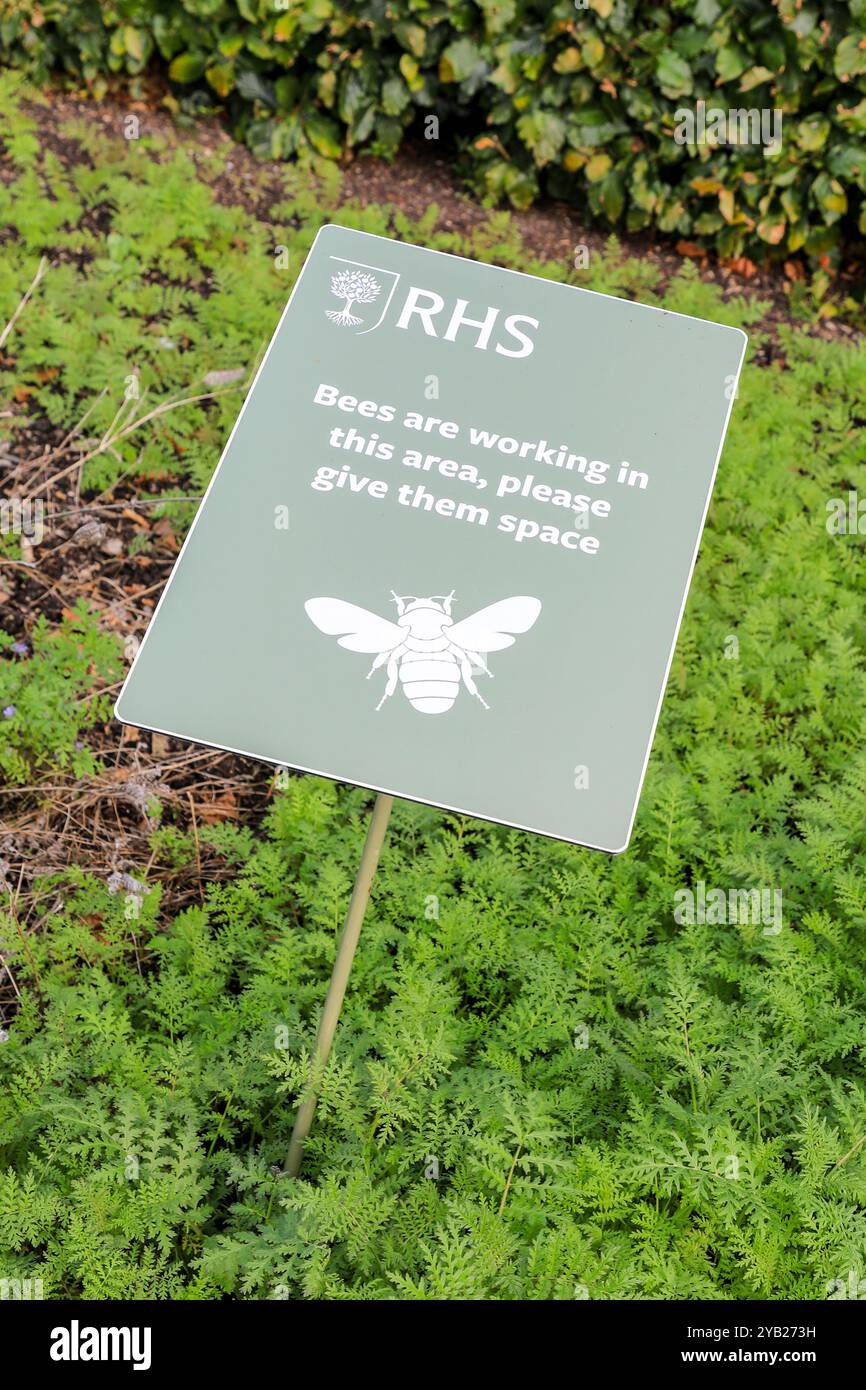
(359,286)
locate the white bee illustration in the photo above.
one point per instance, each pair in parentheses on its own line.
(425,649)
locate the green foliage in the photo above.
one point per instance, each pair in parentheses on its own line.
(154,284)
(49,697)
(464,1147)
(543,1086)
(579,100)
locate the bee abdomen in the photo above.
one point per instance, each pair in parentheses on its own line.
(431,682)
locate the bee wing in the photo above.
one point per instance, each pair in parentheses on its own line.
(357,629)
(489,629)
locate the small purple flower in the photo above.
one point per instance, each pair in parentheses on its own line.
(8,711)
(20,648)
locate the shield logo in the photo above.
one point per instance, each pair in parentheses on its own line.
(365,291)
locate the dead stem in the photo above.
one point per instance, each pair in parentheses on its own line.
(40,273)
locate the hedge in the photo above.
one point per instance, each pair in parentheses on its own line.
(577,98)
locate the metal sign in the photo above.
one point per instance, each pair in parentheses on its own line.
(446,551)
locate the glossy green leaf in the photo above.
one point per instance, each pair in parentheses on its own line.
(674,74)
(459,61)
(186,67)
(323,134)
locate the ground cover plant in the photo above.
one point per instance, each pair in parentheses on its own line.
(579,97)
(546,1083)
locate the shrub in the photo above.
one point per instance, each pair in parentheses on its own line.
(576,98)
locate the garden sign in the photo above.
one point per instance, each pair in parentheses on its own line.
(446,552)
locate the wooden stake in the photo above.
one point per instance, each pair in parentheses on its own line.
(340,973)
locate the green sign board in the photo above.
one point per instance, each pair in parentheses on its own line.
(447,548)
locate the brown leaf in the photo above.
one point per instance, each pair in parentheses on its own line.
(741,265)
(217,806)
(164,529)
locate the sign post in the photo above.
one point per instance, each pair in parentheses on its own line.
(446,552)
(340,974)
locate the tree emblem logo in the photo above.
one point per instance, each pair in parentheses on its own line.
(366,292)
(354,287)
